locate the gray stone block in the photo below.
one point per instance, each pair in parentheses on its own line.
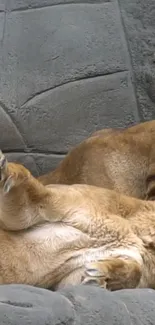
(45,48)
(10,138)
(139,23)
(80,305)
(3,5)
(51,46)
(47,162)
(78,109)
(23,305)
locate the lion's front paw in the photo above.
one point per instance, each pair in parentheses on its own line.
(5,178)
(11,174)
(113,273)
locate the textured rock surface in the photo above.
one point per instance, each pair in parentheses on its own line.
(139,25)
(23,305)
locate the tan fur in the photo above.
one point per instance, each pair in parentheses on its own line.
(119,159)
(59,234)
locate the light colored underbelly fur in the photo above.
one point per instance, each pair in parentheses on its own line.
(69,246)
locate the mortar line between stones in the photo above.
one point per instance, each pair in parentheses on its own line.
(4,26)
(35,152)
(99,75)
(59,3)
(5,109)
(139,115)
